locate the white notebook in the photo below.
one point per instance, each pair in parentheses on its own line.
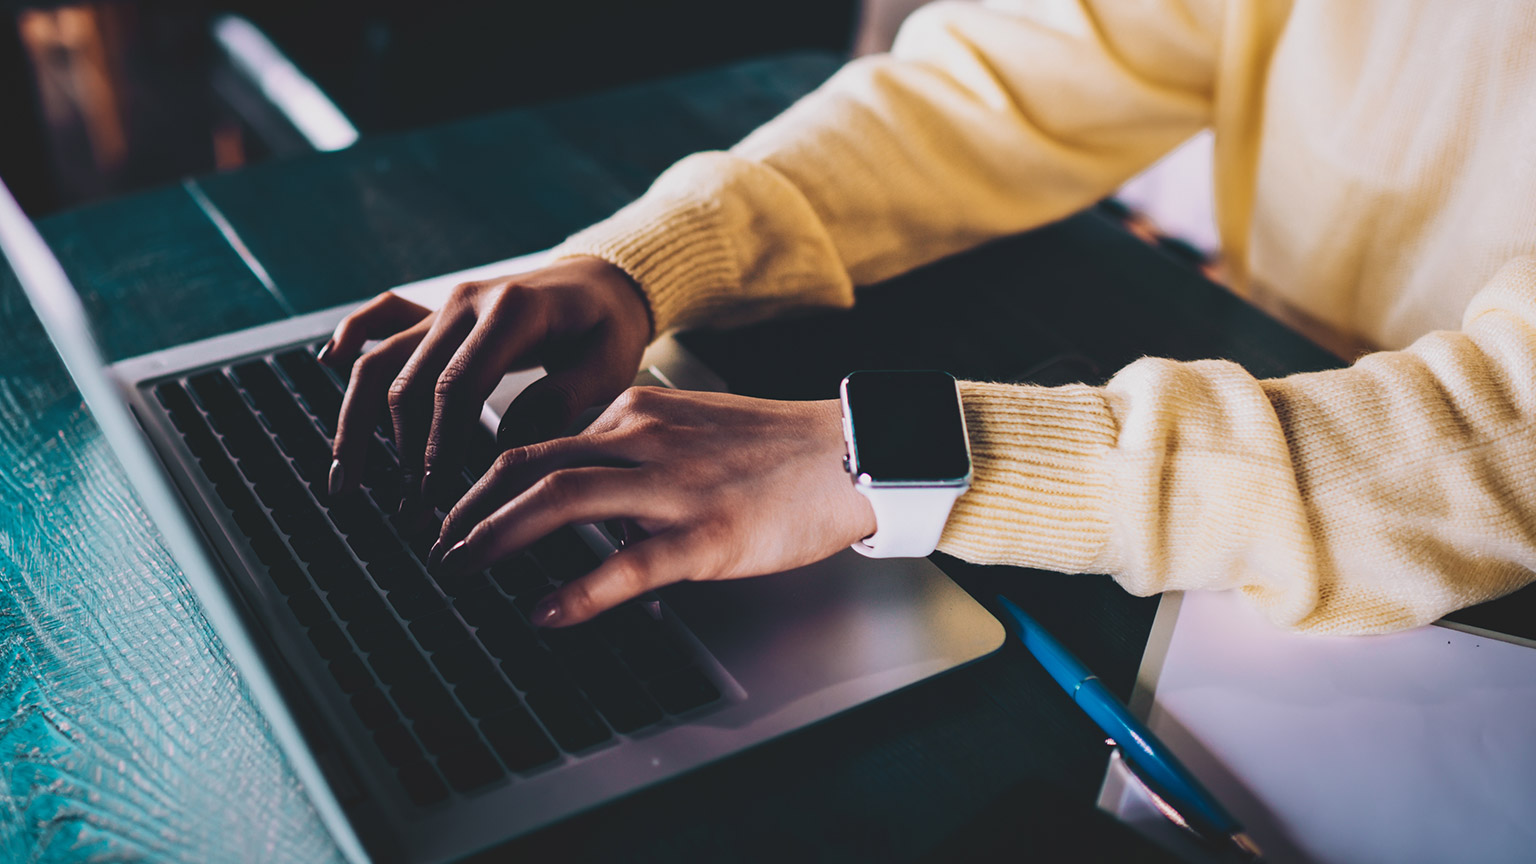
(1411,747)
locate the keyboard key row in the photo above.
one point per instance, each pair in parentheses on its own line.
(409,684)
(315,386)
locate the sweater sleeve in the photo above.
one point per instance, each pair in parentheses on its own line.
(1358,500)
(981,123)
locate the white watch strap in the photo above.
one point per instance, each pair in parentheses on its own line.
(908,520)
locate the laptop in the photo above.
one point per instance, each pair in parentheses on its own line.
(426,719)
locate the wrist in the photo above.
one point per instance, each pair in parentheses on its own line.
(626,298)
(857,515)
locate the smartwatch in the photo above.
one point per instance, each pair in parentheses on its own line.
(908,453)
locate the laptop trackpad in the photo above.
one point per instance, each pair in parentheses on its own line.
(847,628)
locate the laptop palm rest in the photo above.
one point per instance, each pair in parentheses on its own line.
(822,638)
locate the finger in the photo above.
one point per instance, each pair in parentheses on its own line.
(547,407)
(660,560)
(384,315)
(500,336)
(360,406)
(411,393)
(570,496)
(511,475)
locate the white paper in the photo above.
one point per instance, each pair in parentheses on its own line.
(1411,747)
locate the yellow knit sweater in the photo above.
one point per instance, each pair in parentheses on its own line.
(1376,170)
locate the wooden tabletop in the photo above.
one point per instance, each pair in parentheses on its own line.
(129,736)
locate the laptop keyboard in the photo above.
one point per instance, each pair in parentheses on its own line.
(459,691)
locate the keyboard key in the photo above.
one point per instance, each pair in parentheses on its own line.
(329,640)
(535,669)
(463,661)
(508,638)
(308,609)
(350,674)
(465,584)
(568,717)
(422,784)
(372,708)
(684,690)
(653,650)
(565,555)
(572,643)
(399,663)
(519,575)
(396,574)
(443,730)
(439,630)
(469,767)
(486,697)
(375,635)
(416,602)
(286,575)
(518,740)
(360,604)
(484,607)
(611,690)
(624,705)
(421,697)
(421,541)
(317,546)
(397,746)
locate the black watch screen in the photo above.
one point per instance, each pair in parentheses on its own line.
(907,426)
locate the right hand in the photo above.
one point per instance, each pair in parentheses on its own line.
(582,319)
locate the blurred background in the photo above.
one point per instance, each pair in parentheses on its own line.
(101,98)
(106,97)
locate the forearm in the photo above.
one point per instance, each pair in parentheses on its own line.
(980,124)
(1360,500)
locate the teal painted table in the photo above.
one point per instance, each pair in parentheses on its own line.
(126,733)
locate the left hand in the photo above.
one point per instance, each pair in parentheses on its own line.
(721,486)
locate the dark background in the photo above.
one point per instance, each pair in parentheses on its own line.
(98,99)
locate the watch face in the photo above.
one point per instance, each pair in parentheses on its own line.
(907,427)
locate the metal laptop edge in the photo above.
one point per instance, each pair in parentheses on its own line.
(805,645)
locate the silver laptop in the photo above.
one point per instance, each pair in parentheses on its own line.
(427,720)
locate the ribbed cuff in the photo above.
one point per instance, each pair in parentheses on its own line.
(1039,493)
(671,243)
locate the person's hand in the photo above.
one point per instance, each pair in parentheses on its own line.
(718,486)
(582,319)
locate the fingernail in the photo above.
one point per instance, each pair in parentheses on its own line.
(435,554)
(426,485)
(408,490)
(451,557)
(337,477)
(325,351)
(546,613)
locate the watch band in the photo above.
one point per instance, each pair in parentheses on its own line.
(908,520)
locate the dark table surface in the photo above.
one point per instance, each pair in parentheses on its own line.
(129,735)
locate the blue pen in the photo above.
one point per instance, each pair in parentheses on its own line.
(1152,759)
